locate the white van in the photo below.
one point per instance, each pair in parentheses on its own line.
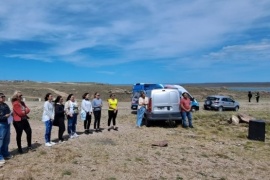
(194,103)
(163,105)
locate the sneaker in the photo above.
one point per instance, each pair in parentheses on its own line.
(71,136)
(75,135)
(9,157)
(20,151)
(2,161)
(52,143)
(48,144)
(61,141)
(115,128)
(191,126)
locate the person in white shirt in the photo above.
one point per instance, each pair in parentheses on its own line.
(87,110)
(142,107)
(71,109)
(47,118)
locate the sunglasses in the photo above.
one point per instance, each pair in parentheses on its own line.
(98,95)
(2,96)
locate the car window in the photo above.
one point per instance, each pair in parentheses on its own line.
(212,99)
(230,100)
(224,99)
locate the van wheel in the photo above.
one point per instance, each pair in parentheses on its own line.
(147,122)
(193,109)
(236,108)
(172,123)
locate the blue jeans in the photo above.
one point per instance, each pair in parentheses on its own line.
(140,114)
(48,130)
(72,121)
(4,139)
(189,116)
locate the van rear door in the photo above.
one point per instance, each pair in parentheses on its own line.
(165,100)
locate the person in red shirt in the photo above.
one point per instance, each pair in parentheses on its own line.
(185,109)
(20,121)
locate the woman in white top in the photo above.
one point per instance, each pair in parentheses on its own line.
(142,107)
(47,118)
(71,109)
(88,110)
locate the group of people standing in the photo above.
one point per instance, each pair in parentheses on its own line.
(184,106)
(19,117)
(54,114)
(257,96)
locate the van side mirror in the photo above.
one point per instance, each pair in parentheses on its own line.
(192,99)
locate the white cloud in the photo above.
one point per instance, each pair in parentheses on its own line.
(139,30)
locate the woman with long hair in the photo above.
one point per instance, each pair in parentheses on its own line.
(142,107)
(20,120)
(88,110)
(97,106)
(112,112)
(59,117)
(47,118)
(71,109)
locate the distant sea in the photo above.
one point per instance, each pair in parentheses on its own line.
(252,89)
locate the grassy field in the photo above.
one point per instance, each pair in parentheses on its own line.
(214,149)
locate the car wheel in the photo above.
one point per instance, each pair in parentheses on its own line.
(220,109)
(236,108)
(193,109)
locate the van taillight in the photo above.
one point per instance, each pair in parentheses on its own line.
(149,109)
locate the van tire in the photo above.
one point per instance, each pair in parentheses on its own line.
(193,109)
(147,122)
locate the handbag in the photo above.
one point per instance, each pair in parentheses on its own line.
(83,115)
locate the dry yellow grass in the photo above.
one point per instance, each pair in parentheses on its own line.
(214,149)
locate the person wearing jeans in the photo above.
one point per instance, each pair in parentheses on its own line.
(20,121)
(71,109)
(47,118)
(142,106)
(5,113)
(186,111)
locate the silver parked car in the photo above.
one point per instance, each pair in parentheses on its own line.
(221,103)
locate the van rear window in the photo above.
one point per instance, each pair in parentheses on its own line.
(165,97)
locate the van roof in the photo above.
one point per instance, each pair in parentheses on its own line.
(175,86)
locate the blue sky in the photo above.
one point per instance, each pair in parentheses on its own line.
(124,42)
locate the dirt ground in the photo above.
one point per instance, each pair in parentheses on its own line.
(214,149)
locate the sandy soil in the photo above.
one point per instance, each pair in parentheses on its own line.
(214,149)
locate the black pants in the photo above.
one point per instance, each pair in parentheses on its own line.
(21,126)
(112,116)
(87,121)
(257,99)
(62,129)
(97,115)
(249,98)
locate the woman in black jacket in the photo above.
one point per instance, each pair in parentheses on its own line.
(59,117)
